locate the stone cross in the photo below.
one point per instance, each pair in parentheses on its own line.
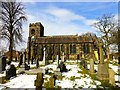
(103,73)
(44,61)
(101,53)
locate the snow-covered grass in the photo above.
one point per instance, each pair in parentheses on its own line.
(76,77)
(115,68)
(21,81)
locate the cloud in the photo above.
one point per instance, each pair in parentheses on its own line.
(63,14)
(60,21)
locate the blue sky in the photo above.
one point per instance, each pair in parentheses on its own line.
(66,18)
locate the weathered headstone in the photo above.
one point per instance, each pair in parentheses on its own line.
(37,63)
(32,60)
(52,81)
(112,77)
(20,59)
(57,60)
(39,81)
(62,67)
(57,72)
(102,73)
(83,63)
(91,66)
(0,64)
(2,79)
(63,56)
(44,59)
(11,72)
(27,67)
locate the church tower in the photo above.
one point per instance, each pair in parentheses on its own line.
(36,30)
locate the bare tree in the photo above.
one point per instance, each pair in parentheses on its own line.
(106,24)
(12,17)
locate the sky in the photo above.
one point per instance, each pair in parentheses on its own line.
(66,18)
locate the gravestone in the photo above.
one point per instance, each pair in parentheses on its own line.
(62,67)
(57,72)
(11,72)
(103,73)
(32,60)
(92,71)
(2,79)
(44,59)
(83,63)
(63,56)
(27,67)
(112,77)
(39,81)
(37,63)
(57,60)
(52,81)
(92,66)
(20,60)
(2,63)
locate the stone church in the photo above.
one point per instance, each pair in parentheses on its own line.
(73,47)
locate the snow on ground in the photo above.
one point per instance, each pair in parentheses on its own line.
(95,67)
(115,68)
(16,64)
(21,81)
(71,79)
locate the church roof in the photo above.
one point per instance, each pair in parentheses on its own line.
(64,39)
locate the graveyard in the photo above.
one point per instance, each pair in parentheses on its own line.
(44,66)
(62,74)
(62,46)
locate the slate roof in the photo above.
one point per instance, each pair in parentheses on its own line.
(64,39)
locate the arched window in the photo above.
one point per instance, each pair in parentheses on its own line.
(74,48)
(88,48)
(84,49)
(70,48)
(33,31)
(62,48)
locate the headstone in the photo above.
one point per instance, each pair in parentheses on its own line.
(32,60)
(52,81)
(11,72)
(62,67)
(0,64)
(3,63)
(92,66)
(2,79)
(44,61)
(57,72)
(83,63)
(112,77)
(20,59)
(103,73)
(39,81)
(63,56)
(57,60)
(37,63)
(27,67)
